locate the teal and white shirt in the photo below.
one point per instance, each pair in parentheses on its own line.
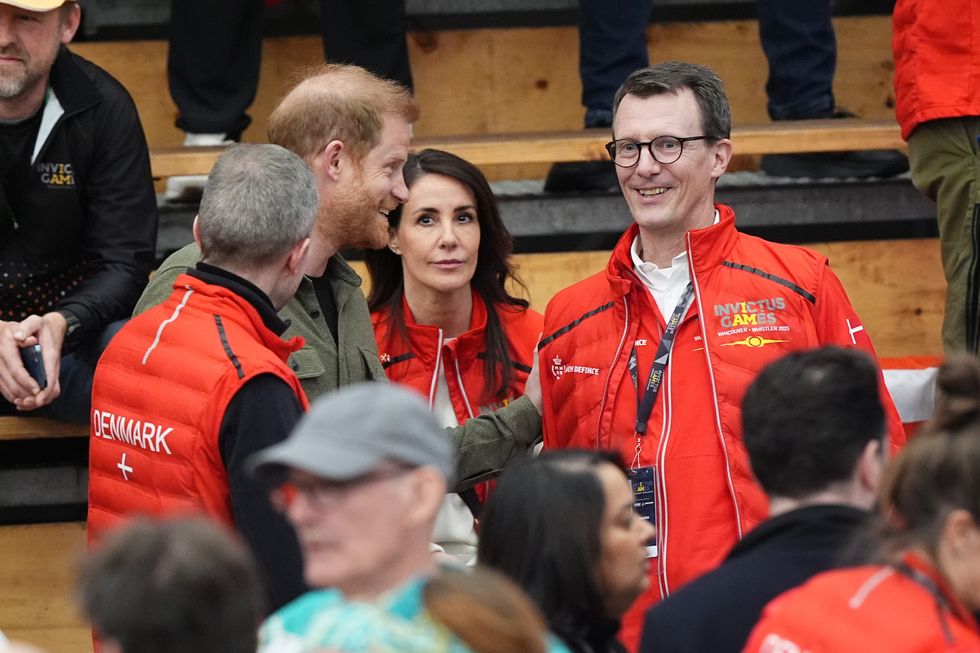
(397,622)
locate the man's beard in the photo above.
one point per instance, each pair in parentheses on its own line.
(18,80)
(15,79)
(354,221)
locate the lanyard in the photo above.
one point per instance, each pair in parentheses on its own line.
(644,402)
(942,603)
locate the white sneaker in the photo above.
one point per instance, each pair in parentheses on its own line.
(189,188)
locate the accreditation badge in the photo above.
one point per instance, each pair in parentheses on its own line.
(643,480)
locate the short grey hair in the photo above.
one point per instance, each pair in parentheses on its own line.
(259,201)
(675,76)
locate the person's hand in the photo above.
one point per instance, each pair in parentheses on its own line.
(16,384)
(533,388)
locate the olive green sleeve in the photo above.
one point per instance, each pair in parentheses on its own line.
(488,443)
(162,284)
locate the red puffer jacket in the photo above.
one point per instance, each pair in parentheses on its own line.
(754,302)
(159,395)
(936,45)
(879,609)
(415,361)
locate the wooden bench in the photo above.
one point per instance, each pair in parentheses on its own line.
(32,428)
(588,144)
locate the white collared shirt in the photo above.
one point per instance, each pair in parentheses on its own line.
(665,284)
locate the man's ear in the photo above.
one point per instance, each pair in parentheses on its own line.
(71,19)
(296,260)
(329,161)
(870,465)
(197,232)
(425,494)
(723,156)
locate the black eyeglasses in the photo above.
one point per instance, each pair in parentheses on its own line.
(625,152)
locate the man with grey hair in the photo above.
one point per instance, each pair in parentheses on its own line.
(191,388)
(361,480)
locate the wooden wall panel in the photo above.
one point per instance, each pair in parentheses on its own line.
(902,312)
(486,81)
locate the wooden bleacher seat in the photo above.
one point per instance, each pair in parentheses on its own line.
(32,428)
(588,144)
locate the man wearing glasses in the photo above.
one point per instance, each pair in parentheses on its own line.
(361,479)
(651,356)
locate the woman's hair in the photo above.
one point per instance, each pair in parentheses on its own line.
(939,470)
(486,610)
(493,266)
(541,527)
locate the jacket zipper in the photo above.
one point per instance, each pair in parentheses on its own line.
(612,365)
(462,388)
(435,373)
(714,389)
(661,489)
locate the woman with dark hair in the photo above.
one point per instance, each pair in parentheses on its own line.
(445,321)
(563,527)
(923,588)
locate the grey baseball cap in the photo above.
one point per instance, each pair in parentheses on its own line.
(350,432)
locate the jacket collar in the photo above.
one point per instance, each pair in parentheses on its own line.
(706,249)
(827,519)
(74,90)
(424,337)
(70,92)
(261,316)
(338,268)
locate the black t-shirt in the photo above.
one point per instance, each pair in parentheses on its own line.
(16,145)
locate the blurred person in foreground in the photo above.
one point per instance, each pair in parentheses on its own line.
(361,479)
(922,588)
(815,432)
(174,585)
(564,528)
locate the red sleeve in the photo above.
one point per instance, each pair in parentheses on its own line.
(837,324)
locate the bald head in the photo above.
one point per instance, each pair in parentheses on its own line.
(338,102)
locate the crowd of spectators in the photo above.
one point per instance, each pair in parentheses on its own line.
(716,432)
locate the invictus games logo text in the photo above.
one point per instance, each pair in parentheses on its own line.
(56,175)
(753,313)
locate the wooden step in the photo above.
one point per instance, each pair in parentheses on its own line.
(521,80)
(32,428)
(902,313)
(589,144)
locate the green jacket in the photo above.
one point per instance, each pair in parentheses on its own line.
(484,444)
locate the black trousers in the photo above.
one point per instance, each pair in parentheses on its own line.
(216,49)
